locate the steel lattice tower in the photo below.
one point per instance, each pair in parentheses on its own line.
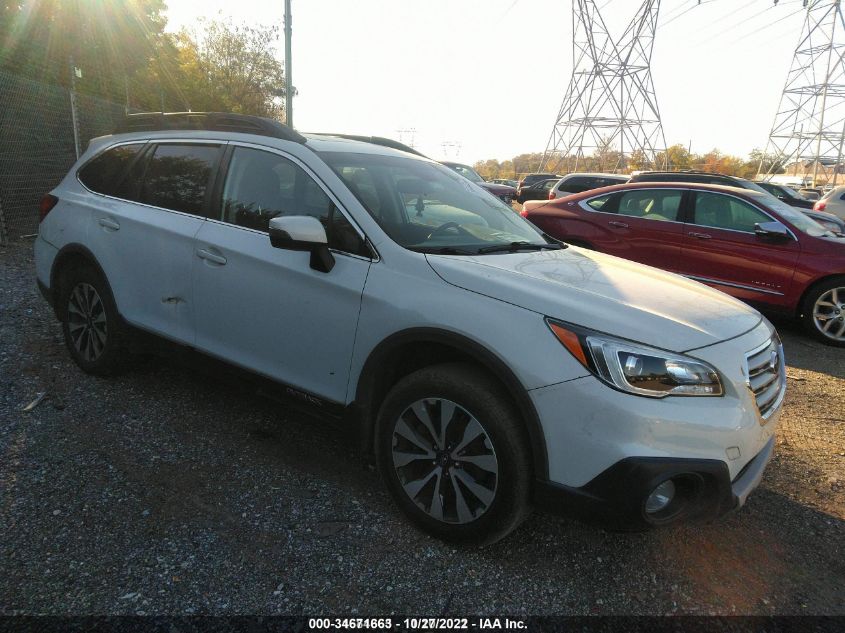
(610,109)
(810,121)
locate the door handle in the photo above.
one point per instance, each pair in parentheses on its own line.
(621,225)
(700,236)
(109,224)
(211,257)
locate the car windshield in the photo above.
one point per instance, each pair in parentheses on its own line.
(800,221)
(747,184)
(427,207)
(790,191)
(467,172)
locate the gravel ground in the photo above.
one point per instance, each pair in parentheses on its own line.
(167,492)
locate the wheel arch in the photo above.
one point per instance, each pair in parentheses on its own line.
(799,308)
(69,256)
(409,350)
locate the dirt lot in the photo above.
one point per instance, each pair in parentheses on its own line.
(165,492)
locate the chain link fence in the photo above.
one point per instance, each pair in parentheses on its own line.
(37,144)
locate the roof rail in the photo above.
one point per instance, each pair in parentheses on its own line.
(377,140)
(211,121)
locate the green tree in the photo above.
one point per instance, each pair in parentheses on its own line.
(109,40)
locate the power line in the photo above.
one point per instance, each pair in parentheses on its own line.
(767,26)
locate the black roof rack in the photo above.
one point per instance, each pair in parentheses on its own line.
(377,140)
(686,171)
(211,121)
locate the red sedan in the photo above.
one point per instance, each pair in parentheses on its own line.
(745,243)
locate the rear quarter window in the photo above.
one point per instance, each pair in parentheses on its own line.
(104,172)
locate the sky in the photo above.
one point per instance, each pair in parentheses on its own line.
(476,79)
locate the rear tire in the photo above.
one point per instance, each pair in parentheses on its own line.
(94,333)
(452,451)
(823,312)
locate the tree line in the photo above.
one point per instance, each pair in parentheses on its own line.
(677,156)
(123,53)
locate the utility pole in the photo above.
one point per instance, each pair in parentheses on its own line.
(288,68)
(610,102)
(74,116)
(809,122)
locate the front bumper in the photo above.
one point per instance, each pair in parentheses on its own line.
(608,450)
(616,498)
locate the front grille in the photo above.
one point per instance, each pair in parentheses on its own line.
(766,376)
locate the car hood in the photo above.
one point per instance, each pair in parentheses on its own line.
(496,189)
(604,293)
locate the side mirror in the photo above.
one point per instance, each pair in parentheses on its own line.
(303,233)
(772,231)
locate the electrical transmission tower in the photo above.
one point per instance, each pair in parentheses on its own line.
(810,123)
(609,114)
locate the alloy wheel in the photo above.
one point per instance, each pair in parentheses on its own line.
(86,321)
(445,460)
(829,314)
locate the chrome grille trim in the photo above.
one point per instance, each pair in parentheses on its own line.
(765,375)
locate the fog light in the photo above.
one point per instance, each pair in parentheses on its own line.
(660,497)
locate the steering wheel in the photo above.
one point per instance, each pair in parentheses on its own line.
(445,227)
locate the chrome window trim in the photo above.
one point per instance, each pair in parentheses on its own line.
(143,145)
(730,195)
(265,234)
(320,183)
(376,257)
(733,285)
(144,204)
(583,203)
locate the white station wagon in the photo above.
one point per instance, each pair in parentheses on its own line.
(485,367)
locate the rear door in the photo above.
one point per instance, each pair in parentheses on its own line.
(143,235)
(642,225)
(721,249)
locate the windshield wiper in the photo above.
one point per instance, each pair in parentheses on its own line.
(518,246)
(441,250)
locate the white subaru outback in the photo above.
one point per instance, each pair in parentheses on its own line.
(485,366)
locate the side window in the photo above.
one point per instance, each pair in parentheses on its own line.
(177,177)
(262,185)
(549,184)
(600,203)
(724,212)
(104,172)
(575,185)
(651,204)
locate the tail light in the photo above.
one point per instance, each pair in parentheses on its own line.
(524,213)
(820,205)
(552,195)
(48,201)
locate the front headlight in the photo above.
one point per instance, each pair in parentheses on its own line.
(637,369)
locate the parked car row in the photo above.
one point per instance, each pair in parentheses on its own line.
(742,241)
(559,186)
(384,289)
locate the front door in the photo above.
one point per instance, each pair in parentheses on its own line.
(722,249)
(265,308)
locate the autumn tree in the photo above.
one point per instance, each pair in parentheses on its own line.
(231,68)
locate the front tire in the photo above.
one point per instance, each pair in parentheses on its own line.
(823,312)
(452,452)
(93,331)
